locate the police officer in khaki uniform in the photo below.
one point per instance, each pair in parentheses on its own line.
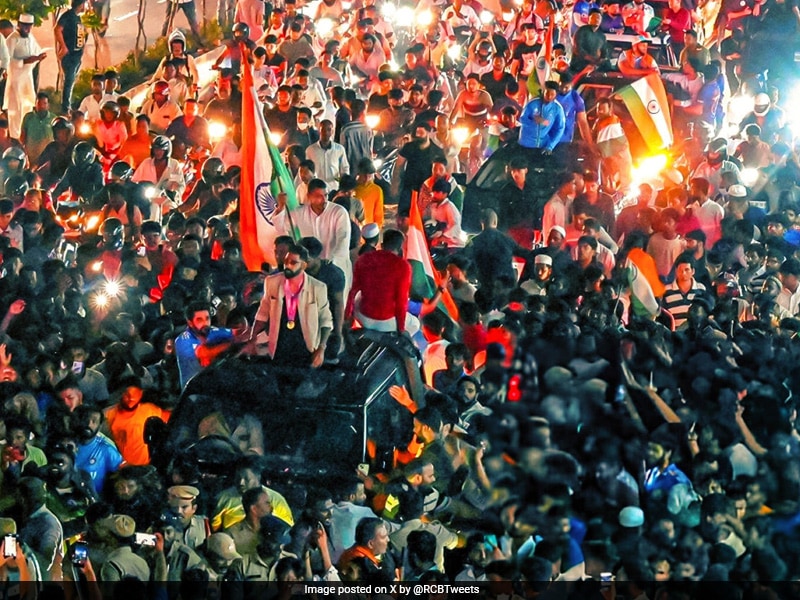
(183,503)
(178,557)
(122,562)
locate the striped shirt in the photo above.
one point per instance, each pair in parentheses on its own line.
(678,303)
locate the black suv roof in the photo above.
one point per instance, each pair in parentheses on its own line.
(309,421)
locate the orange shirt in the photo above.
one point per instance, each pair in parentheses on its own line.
(127,430)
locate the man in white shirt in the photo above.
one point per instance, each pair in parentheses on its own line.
(160,109)
(458,16)
(447,217)
(326,221)
(369,59)
(789,297)
(90,105)
(708,212)
(330,158)
(25,54)
(171,179)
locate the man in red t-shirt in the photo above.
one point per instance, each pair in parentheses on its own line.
(381,284)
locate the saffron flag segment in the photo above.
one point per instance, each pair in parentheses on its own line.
(424,278)
(644,283)
(264,176)
(646,100)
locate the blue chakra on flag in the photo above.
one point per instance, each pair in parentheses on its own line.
(265,202)
(653,108)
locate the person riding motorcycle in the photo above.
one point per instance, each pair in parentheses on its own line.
(111,133)
(112,234)
(15,188)
(56,157)
(233,49)
(135,193)
(209,188)
(84,177)
(117,206)
(163,171)
(14,162)
(184,62)
(716,162)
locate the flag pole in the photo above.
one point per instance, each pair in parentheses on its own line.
(262,118)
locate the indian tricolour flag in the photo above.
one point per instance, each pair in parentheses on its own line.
(264,176)
(647,102)
(424,278)
(644,283)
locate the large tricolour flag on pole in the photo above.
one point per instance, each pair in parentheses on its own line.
(647,102)
(264,176)
(424,278)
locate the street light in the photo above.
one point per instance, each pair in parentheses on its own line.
(372,120)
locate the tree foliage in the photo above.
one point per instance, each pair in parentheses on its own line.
(40,9)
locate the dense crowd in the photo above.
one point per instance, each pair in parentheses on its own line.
(609,375)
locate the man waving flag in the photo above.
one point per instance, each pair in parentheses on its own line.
(647,102)
(264,176)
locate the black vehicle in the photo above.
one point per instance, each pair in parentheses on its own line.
(308,424)
(485,189)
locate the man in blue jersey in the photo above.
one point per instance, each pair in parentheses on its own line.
(97,454)
(542,121)
(200,340)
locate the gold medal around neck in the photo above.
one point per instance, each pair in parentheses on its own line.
(290,325)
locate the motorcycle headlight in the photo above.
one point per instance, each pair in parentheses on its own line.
(112,289)
(454,52)
(325,27)
(101,300)
(217,131)
(92,222)
(460,135)
(424,18)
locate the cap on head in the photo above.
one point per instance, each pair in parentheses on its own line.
(223,546)
(737,190)
(631,516)
(122,526)
(183,492)
(370,231)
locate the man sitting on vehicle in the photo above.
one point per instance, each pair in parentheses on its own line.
(448,219)
(635,61)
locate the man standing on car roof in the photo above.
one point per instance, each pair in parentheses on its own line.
(200,343)
(295,307)
(542,121)
(590,48)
